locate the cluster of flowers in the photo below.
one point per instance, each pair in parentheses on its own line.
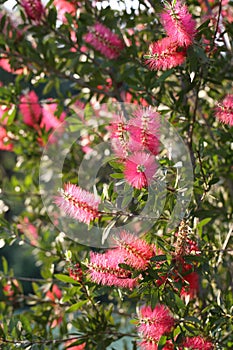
(136,143)
(180,28)
(153,323)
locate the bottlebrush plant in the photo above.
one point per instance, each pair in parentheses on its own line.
(116,175)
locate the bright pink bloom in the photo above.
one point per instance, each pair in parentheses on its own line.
(4,140)
(136,252)
(64,7)
(78,203)
(144,129)
(105,41)
(139,170)
(33,8)
(224,110)
(119,137)
(178,23)
(49,120)
(197,343)
(151,344)
(164,54)
(30,109)
(104,269)
(154,323)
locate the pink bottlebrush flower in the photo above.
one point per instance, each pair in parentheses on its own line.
(63,7)
(78,203)
(33,8)
(136,252)
(140,168)
(144,129)
(30,109)
(104,269)
(197,343)
(49,120)
(224,110)
(150,343)
(164,54)
(119,137)
(4,140)
(154,323)
(104,41)
(178,23)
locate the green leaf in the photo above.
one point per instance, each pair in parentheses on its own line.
(76,306)
(117,176)
(5,265)
(65,278)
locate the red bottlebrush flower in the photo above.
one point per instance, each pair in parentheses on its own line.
(164,54)
(78,203)
(224,110)
(178,23)
(154,323)
(30,108)
(4,139)
(197,343)
(144,129)
(104,269)
(151,344)
(136,252)
(190,290)
(104,41)
(49,120)
(75,272)
(139,169)
(33,8)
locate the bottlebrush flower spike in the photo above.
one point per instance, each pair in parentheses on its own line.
(30,108)
(144,129)
(140,168)
(104,269)
(119,137)
(136,252)
(33,8)
(164,54)
(224,110)
(78,203)
(154,323)
(105,41)
(197,343)
(75,272)
(178,23)
(150,343)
